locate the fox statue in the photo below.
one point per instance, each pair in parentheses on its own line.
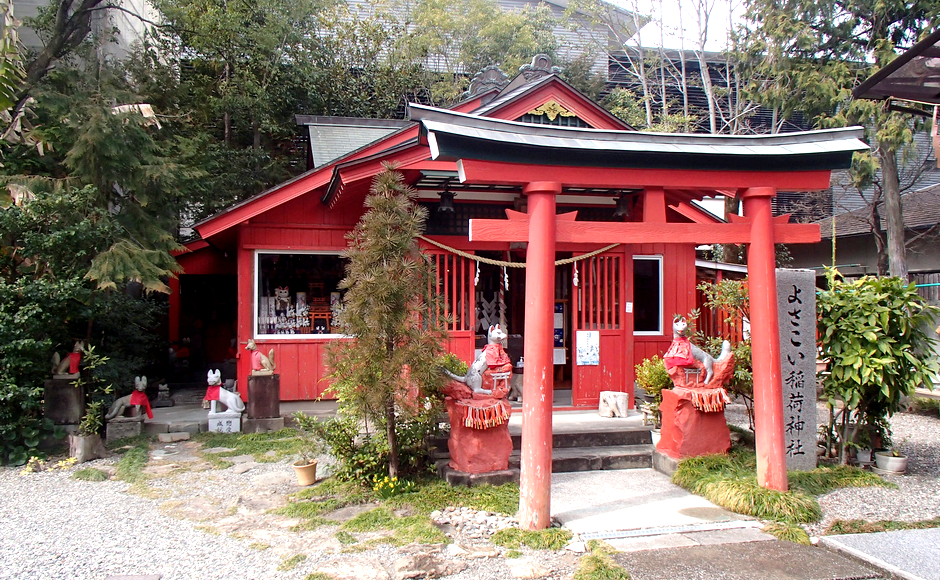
(216,392)
(474,376)
(138,397)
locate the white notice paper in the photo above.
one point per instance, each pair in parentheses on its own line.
(589,348)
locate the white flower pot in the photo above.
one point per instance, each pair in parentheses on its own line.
(885,461)
(655,434)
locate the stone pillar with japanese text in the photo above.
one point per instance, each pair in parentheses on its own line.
(796,303)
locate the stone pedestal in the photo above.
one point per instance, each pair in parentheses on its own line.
(123,427)
(477,450)
(264,397)
(226,422)
(63,402)
(688,432)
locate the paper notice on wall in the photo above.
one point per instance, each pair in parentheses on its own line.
(588,348)
(629,307)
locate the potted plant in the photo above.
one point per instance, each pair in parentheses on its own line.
(651,376)
(891,461)
(310,447)
(86,444)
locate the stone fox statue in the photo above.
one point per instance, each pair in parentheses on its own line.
(138,397)
(474,376)
(682,352)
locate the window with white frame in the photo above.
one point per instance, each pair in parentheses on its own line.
(296,293)
(647,295)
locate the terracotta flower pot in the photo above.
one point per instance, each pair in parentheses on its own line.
(306,472)
(885,461)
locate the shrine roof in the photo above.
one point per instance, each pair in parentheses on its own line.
(453,136)
(914,75)
(920,209)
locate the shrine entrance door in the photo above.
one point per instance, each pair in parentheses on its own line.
(600,359)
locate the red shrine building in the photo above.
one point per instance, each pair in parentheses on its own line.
(516,159)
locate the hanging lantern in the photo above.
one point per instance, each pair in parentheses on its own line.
(447,200)
(623,204)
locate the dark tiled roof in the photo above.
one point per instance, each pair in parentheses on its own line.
(920,209)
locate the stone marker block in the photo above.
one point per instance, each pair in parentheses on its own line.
(796,306)
(155,428)
(117,429)
(63,402)
(172,437)
(225,424)
(264,397)
(262,425)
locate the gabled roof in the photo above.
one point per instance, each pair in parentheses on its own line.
(919,209)
(352,172)
(914,75)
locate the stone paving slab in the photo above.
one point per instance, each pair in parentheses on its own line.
(770,560)
(908,554)
(628,499)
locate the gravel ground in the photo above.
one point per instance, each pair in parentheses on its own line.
(918,493)
(192,522)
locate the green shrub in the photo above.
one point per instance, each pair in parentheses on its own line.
(872,333)
(598,564)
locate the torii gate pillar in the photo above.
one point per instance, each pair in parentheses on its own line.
(765,340)
(536,468)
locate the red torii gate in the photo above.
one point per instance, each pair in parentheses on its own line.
(543,161)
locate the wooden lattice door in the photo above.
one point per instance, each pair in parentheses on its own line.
(599,307)
(454,291)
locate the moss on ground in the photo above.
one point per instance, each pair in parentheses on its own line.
(731,482)
(865,527)
(283,443)
(787,532)
(405,529)
(597,564)
(549,539)
(290,563)
(90,474)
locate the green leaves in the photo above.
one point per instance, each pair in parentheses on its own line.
(874,332)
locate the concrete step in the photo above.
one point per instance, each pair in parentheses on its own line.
(569,459)
(588,438)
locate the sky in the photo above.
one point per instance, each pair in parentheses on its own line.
(672,35)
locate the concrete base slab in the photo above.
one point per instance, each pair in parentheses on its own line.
(117,429)
(770,560)
(595,501)
(908,554)
(156,427)
(664,464)
(455,478)
(262,425)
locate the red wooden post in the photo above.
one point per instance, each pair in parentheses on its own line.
(174,307)
(765,341)
(536,472)
(246,277)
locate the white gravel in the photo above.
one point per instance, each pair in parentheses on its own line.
(54,527)
(918,493)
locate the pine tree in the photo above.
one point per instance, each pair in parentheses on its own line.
(390,311)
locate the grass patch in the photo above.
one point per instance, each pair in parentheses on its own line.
(598,564)
(512,554)
(283,443)
(121,446)
(318,576)
(925,406)
(90,474)
(549,539)
(130,467)
(437,495)
(405,529)
(864,527)
(346,538)
(731,482)
(291,563)
(212,530)
(787,532)
(260,546)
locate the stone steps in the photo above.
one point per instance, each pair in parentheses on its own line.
(587,449)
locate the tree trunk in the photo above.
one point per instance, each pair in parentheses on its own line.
(392,436)
(897,262)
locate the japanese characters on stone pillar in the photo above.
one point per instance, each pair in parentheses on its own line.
(796,304)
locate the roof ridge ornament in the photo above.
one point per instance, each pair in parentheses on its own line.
(489,78)
(541,66)
(552,109)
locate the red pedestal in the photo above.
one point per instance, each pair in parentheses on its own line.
(688,432)
(476,450)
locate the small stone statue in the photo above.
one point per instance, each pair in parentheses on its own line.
(261,365)
(138,397)
(216,393)
(67,367)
